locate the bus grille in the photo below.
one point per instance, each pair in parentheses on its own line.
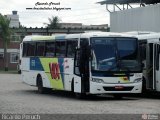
(114,89)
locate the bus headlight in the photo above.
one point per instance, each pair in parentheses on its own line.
(138,80)
(97,80)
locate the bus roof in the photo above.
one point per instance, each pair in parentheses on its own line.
(42,37)
(98,34)
(139,32)
(74,36)
(149,36)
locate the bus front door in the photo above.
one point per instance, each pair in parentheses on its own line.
(77,74)
(157,67)
(81,71)
(150,67)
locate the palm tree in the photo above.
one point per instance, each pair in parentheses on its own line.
(5,34)
(54,22)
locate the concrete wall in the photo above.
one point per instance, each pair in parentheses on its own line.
(13,47)
(14,20)
(137,19)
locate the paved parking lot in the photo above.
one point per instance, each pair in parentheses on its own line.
(17,97)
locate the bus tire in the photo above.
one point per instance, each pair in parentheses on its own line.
(144,85)
(41,89)
(72,86)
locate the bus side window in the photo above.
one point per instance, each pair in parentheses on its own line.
(40,49)
(24,54)
(71,47)
(31,47)
(50,49)
(61,48)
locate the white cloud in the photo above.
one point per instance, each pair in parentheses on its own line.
(82,11)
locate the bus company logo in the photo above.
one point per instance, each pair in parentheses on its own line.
(54,70)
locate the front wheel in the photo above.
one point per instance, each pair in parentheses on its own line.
(144,90)
(41,89)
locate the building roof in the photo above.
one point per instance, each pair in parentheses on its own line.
(128,1)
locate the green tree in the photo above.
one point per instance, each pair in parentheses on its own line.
(5,35)
(54,22)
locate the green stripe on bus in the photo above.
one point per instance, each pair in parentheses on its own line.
(34,38)
(55,83)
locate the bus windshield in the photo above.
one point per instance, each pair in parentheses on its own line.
(115,54)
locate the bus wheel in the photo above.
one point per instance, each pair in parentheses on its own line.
(118,96)
(144,86)
(41,89)
(72,86)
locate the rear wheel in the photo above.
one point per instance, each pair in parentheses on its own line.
(41,89)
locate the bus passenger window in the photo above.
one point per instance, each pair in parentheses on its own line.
(71,47)
(50,49)
(24,49)
(60,49)
(31,47)
(40,49)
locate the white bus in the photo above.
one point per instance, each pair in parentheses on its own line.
(87,63)
(150,53)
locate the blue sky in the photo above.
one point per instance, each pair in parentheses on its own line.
(82,11)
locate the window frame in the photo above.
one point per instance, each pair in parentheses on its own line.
(64,54)
(11,55)
(44,43)
(67,48)
(28,42)
(1,55)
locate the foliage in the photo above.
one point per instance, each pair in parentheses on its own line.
(54,22)
(5,30)
(5,35)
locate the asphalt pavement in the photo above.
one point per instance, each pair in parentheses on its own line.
(17,97)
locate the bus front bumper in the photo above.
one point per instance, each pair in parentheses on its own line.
(100,88)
